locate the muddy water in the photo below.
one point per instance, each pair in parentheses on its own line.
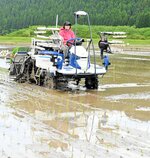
(111,122)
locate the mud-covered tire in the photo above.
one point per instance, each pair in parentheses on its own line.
(50,82)
(12,70)
(91,82)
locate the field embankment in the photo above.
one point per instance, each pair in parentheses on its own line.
(137,38)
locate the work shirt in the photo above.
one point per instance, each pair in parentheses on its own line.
(66,34)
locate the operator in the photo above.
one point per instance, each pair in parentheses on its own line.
(66,33)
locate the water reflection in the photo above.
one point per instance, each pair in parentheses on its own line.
(4,64)
(15,134)
(112,122)
(101,132)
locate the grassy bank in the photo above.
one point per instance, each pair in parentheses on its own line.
(134,35)
(14,40)
(27,40)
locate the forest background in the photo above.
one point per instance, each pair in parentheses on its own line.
(20,17)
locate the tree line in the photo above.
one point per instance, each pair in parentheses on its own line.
(16,14)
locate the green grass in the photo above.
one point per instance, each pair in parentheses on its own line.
(137,41)
(27,40)
(14,40)
(134,35)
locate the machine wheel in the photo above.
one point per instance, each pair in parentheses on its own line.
(12,70)
(23,71)
(91,82)
(50,82)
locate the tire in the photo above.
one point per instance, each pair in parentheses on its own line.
(91,82)
(12,70)
(50,83)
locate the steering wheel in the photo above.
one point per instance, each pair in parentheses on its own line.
(74,41)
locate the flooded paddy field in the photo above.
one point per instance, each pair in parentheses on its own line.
(111,122)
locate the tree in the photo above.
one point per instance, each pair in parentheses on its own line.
(143,20)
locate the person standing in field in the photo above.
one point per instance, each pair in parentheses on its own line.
(103,45)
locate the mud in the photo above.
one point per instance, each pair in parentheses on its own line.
(111,122)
